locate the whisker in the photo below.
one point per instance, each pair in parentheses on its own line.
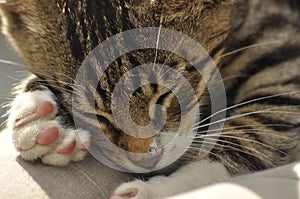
(23,71)
(3,124)
(64,89)
(9,76)
(164,64)
(58,87)
(244,103)
(65,83)
(250,140)
(74,86)
(4,61)
(86,175)
(242,126)
(238,116)
(209,152)
(158,35)
(4,115)
(249,131)
(8,97)
(66,76)
(157,43)
(285,112)
(5,104)
(237,149)
(250,46)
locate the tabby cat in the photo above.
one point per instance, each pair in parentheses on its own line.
(255,44)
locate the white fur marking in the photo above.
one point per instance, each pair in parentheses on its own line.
(194,175)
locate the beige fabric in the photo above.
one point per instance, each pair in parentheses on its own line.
(90,179)
(20,179)
(279,183)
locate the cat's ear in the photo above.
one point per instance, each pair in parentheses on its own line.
(17,17)
(18,6)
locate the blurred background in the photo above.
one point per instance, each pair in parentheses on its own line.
(9,74)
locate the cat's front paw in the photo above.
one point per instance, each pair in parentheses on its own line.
(132,190)
(38,133)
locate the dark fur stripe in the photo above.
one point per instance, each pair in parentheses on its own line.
(281,125)
(271,22)
(216,49)
(278,100)
(293,81)
(295,5)
(278,56)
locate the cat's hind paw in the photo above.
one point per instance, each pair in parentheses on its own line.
(132,190)
(39,134)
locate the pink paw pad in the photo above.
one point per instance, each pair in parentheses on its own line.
(44,109)
(130,194)
(67,149)
(48,136)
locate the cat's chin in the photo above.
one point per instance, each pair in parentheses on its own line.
(148,162)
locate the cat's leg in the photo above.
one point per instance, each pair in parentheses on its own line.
(189,177)
(39,133)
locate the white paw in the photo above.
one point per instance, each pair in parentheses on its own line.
(38,133)
(132,190)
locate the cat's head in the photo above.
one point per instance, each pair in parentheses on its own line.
(54,37)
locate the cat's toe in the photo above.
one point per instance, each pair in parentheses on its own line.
(73,147)
(31,106)
(37,138)
(53,144)
(131,190)
(44,134)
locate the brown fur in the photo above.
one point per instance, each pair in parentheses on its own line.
(54,38)
(42,43)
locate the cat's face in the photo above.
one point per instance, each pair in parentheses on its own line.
(54,37)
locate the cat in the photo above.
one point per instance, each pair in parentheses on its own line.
(255,44)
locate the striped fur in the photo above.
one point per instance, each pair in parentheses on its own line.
(255,43)
(268,75)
